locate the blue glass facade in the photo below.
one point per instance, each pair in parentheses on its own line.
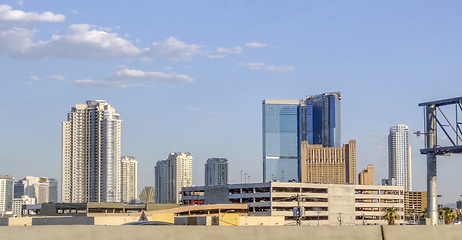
(281,142)
(286,123)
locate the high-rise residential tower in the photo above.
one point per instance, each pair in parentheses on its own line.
(286,123)
(366,176)
(171,175)
(129,179)
(6,194)
(399,156)
(91,154)
(216,171)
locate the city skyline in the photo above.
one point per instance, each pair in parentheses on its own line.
(190,77)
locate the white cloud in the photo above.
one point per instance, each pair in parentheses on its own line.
(139,78)
(35,78)
(255,45)
(173,50)
(268,68)
(7,14)
(20,2)
(152,76)
(278,69)
(73,11)
(16,40)
(217,56)
(253,66)
(193,109)
(217,114)
(56,77)
(146,60)
(105,29)
(137,40)
(235,50)
(80,41)
(127,35)
(88,83)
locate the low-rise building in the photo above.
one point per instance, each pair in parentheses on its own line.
(324,204)
(415,204)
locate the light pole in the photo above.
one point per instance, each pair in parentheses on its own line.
(224,215)
(318,216)
(241,176)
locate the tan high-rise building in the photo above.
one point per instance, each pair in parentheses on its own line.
(129,179)
(414,204)
(91,154)
(334,165)
(366,176)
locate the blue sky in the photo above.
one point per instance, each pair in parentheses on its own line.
(191,75)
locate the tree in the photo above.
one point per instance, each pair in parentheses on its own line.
(424,214)
(447,214)
(390,215)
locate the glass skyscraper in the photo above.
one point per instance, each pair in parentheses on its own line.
(286,123)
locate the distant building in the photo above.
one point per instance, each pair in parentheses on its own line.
(459,204)
(147,195)
(18,204)
(6,194)
(42,189)
(18,188)
(216,171)
(399,156)
(129,179)
(389,182)
(53,190)
(91,146)
(415,203)
(171,175)
(286,123)
(330,165)
(366,176)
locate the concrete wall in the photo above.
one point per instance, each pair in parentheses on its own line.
(20,221)
(261,221)
(341,204)
(225,233)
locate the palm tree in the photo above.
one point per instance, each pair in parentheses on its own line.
(447,214)
(390,215)
(424,214)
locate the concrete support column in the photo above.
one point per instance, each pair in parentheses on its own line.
(432,195)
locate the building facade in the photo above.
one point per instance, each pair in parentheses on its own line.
(415,204)
(6,194)
(171,175)
(91,139)
(399,156)
(329,165)
(18,204)
(366,176)
(216,171)
(286,123)
(147,195)
(332,204)
(129,173)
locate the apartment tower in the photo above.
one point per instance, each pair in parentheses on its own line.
(399,156)
(91,154)
(216,171)
(129,179)
(6,194)
(171,175)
